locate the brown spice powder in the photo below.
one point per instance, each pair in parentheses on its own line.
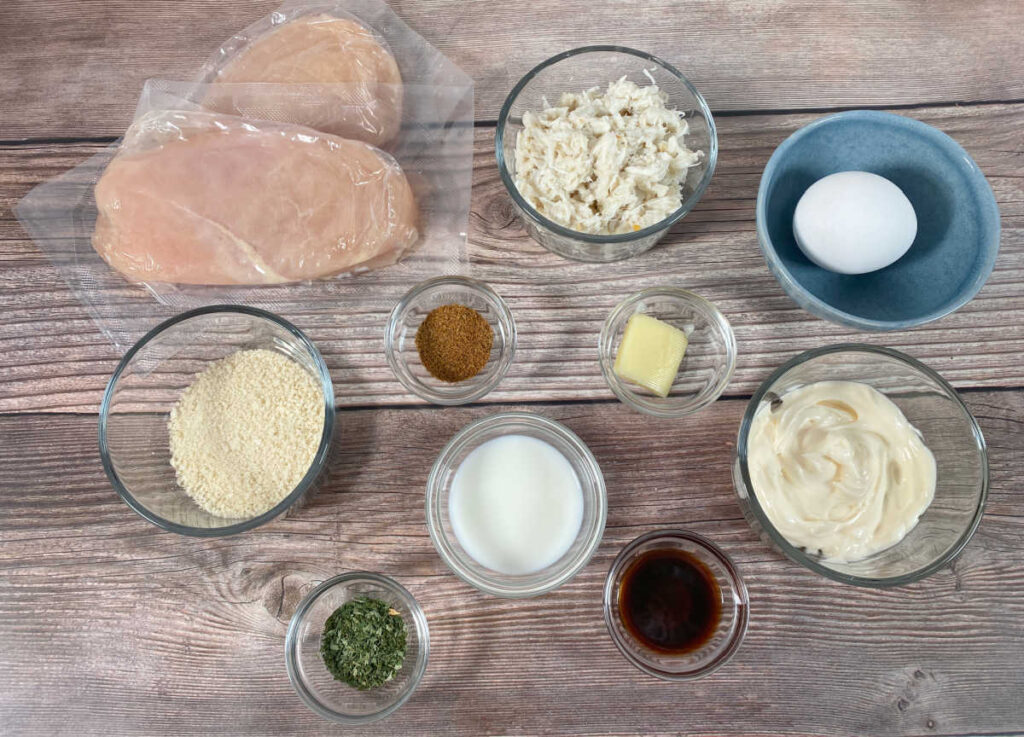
(454,342)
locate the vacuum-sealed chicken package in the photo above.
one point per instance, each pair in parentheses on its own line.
(315,68)
(194,197)
(330,188)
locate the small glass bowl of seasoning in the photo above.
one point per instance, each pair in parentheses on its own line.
(675,605)
(352,606)
(450,340)
(628,347)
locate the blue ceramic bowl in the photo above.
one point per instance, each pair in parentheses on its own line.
(958,221)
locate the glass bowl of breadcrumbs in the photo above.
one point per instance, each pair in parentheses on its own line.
(217,421)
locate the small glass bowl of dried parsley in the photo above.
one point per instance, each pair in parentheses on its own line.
(450,340)
(357,647)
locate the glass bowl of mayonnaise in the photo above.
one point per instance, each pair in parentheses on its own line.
(861,464)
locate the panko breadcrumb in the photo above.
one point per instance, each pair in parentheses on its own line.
(245,432)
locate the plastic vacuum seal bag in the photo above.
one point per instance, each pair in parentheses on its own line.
(314,65)
(194,197)
(245,204)
(347,67)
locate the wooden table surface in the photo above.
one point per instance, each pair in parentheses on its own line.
(110,626)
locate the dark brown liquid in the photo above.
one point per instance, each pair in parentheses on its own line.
(670,601)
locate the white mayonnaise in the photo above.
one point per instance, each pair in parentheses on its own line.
(839,470)
(516,504)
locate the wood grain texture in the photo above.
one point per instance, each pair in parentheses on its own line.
(53,358)
(110,626)
(742,55)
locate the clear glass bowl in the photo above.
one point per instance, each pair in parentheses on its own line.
(732,625)
(595,504)
(707,364)
(579,70)
(949,430)
(309,676)
(413,308)
(134,443)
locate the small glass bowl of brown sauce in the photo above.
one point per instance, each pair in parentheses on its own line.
(675,605)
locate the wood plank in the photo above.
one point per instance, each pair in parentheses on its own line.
(53,358)
(111,626)
(742,55)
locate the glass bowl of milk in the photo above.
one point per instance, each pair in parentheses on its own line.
(516,504)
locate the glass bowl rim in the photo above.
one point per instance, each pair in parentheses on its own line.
(419,388)
(291,645)
(688,204)
(737,586)
(623,393)
(312,473)
(819,307)
(798,556)
(443,546)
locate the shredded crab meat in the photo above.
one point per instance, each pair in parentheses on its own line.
(605,162)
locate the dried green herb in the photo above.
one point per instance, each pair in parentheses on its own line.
(363,643)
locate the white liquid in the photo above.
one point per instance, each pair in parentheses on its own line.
(516,504)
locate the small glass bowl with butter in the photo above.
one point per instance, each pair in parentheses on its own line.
(640,356)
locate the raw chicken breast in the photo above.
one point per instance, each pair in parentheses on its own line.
(327,73)
(198,198)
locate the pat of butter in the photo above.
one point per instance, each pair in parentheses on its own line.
(650,353)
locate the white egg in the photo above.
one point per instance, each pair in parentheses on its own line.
(854,222)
